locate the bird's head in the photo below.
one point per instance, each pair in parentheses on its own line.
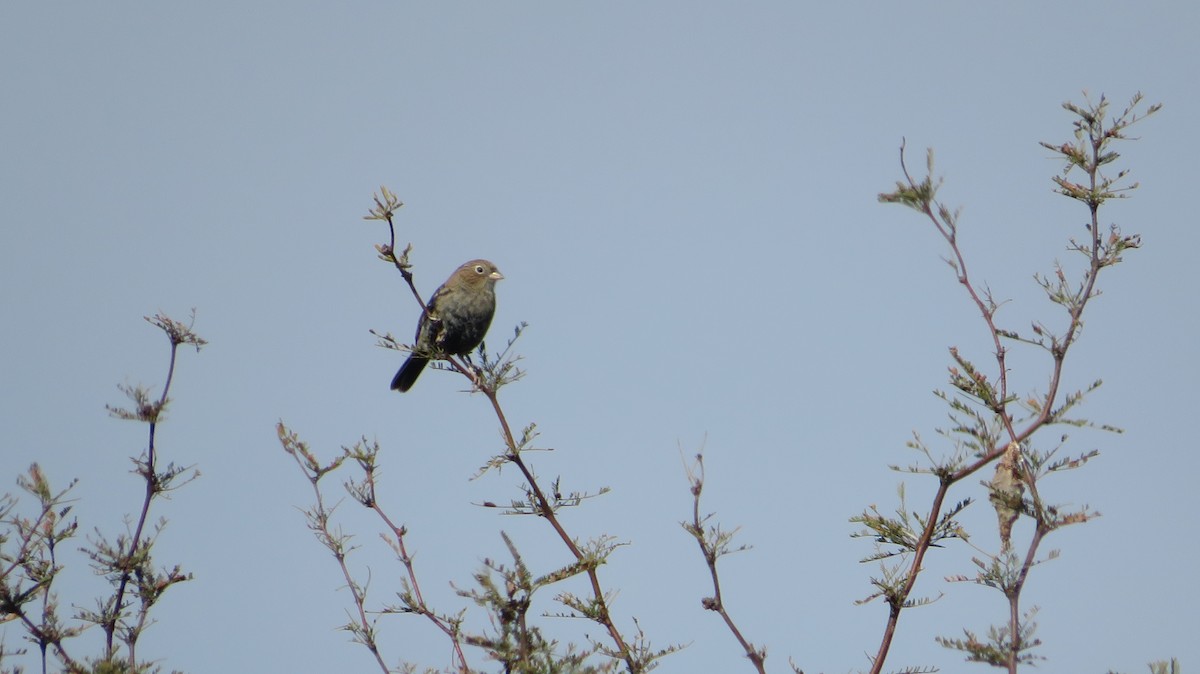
(478,274)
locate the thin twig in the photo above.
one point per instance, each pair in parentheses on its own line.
(406,559)
(712,547)
(319,521)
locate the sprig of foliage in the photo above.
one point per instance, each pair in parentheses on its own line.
(989,422)
(29,571)
(715,543)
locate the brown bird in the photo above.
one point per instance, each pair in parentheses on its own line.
(455,321)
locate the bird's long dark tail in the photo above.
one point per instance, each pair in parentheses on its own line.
(407,376)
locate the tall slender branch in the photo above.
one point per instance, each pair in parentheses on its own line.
(921,196)
(130,561)
(714,544)
(148,469)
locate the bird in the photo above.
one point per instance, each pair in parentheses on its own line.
(455,320)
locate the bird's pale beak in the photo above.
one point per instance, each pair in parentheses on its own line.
(496,275)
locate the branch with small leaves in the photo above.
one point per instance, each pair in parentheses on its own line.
(362,626)
(986,426)
(386,205)
(28,573)
(127,559)
(716,543)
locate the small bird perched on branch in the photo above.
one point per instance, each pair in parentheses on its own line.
(455,320)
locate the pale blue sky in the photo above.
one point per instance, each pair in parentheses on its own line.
(682,199)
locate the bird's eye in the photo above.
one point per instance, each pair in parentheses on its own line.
(478,269)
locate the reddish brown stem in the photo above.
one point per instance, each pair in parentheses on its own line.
(948,231)
(400,532)
(711,550)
